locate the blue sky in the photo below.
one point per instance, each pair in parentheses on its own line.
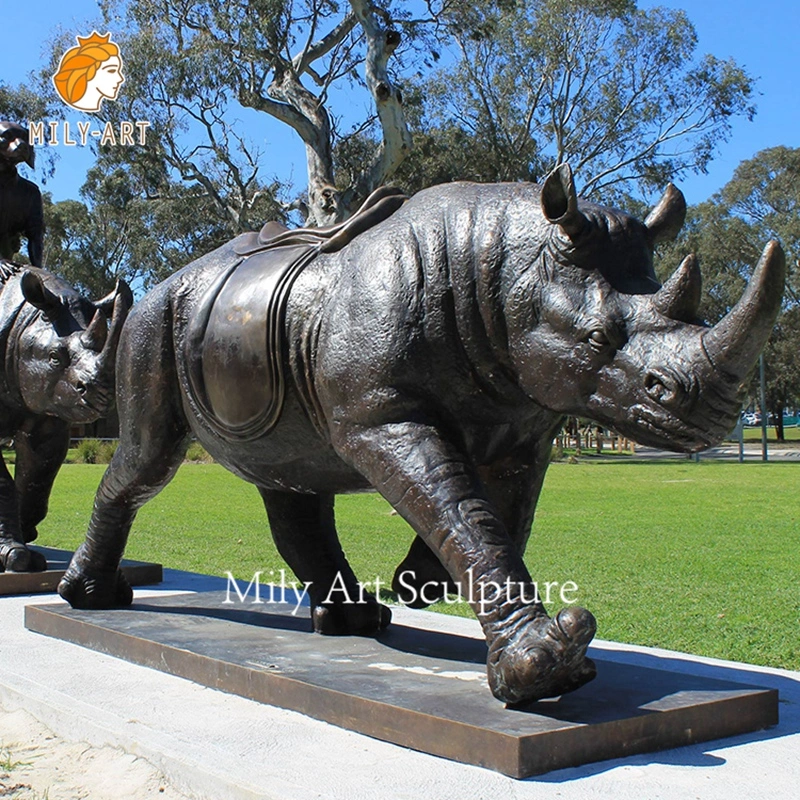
(763,37)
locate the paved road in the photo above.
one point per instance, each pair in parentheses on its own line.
(729,451)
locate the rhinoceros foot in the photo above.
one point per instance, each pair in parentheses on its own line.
(542,657)
(351,619)
(18,558)
(95,590)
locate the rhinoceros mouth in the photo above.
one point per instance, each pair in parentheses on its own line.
(666,430)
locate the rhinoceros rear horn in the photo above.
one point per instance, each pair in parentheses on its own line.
(665,221)
(734,343)
(38,295)
(94,337)
(560,202)
(679,298)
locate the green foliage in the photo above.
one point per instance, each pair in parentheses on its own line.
(694,557)
(106,451)
(22,104)
(198,454)
(88,451)
(617,91)
(8,763)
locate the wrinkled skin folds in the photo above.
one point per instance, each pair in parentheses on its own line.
(433,359)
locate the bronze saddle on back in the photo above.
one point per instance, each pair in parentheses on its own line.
(235,344)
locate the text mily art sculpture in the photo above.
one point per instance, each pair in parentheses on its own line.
(432,357)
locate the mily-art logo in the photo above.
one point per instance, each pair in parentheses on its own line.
(90,73)
(87,75)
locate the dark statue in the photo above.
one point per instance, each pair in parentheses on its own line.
(20,200)
(432,357)
(57,351)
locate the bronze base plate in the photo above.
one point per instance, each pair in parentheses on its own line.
(138,573)
(419,689)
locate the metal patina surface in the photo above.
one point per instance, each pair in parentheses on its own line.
(138,573)
(57,359)
(431,358)
(420,689)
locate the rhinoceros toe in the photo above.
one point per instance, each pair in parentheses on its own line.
(95,591)
(351,619)
(542,657)
(18,558)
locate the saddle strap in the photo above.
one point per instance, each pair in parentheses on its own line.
(241,402)
(380,205)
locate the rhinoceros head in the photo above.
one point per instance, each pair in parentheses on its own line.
(65,354)
(608,343)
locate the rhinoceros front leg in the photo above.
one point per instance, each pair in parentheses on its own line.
(140,468)
(436,490)
(512,485)
(304,530)
(153,440)
(41,448)
(14,555)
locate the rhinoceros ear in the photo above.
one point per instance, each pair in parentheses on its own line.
(37,294)
(560,201)
(122,291)
(665,221)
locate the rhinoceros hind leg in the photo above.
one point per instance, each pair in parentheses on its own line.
(542,657)
(40,452)
(86,588)
(420,579)
(304,530)
(14,555)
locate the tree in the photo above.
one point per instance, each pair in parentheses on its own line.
(192,63)
(115,231)
(21,104)
(728,232)
(615,90)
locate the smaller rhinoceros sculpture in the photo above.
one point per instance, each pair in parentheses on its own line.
(57,351)
(433,358)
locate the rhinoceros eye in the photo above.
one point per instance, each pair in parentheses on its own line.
(598,340)
(57,358)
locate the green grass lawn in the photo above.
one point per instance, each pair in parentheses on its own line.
(791,434)
(702,558)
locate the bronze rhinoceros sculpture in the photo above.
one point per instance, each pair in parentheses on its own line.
(58,352)
(432,358)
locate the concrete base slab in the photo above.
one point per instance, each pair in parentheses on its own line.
(138,573)
(420,689)
(217,746)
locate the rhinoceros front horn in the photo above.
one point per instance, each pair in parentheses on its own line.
(734,343)
(679,298)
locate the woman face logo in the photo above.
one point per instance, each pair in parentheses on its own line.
(90,73)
